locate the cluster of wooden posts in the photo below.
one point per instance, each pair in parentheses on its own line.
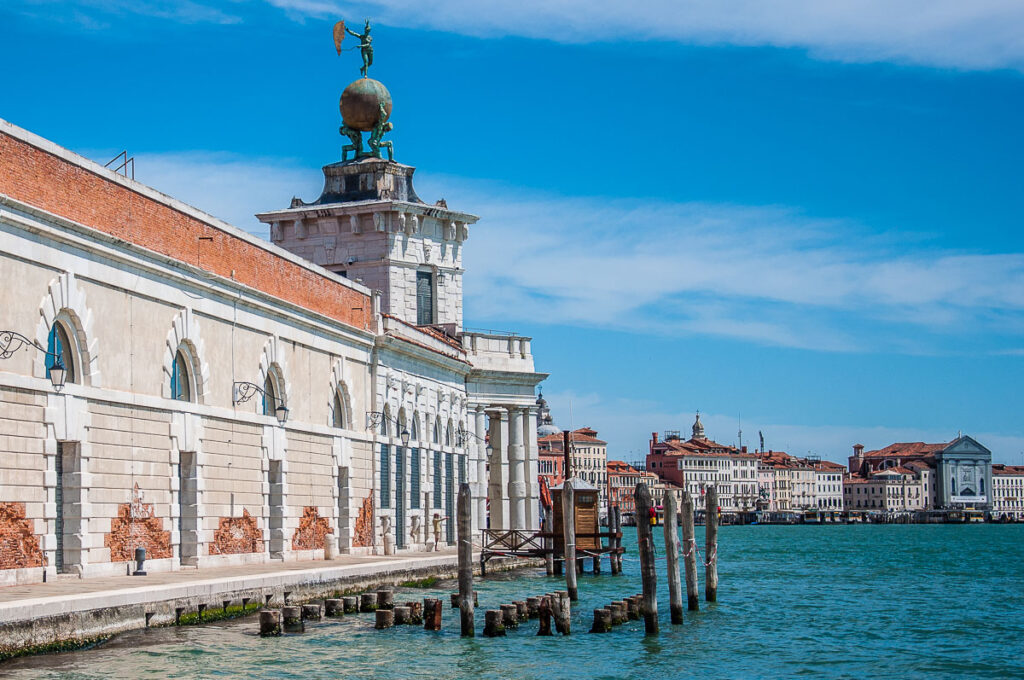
(546,607)
(648,572)
(292,619)
(616,613)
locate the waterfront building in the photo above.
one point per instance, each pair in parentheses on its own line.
(230,400)
(961,470)
(892,489)
(828,485)
(700,462)
(588,458)
(1008,492)
(622,481)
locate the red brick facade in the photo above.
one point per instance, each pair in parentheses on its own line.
(19,547)
(43,180)
(237,535)
(136,527)
(312,530)
(363,537)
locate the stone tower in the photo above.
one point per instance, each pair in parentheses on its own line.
(370,226)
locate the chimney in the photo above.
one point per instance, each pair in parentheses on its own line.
(654,437)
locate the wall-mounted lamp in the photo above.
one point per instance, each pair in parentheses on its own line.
(244,391)
(11,342)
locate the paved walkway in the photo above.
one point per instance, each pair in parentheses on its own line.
(36,600)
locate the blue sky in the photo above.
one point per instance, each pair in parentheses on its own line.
(806,215)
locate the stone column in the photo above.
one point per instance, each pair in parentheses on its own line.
(532,470)
(499,470)
(517,470)
(479,486)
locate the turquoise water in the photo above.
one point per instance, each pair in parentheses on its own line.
(892,601)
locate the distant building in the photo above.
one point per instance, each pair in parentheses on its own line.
(699,462)
(828,484)
(1008,491)
(893,489)
(960,471)
(589,458)
(790,484)
(622,481)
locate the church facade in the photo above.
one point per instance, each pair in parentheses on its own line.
(226,400)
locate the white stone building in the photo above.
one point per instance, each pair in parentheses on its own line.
(229,401)
(1008,491)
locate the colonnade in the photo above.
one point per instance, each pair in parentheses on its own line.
(505,492)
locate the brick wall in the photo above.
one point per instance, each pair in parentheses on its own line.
(312,530)
(237,535)
(19,547)
(136,526)
(43,180)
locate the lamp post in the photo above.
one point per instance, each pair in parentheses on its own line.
(12,341)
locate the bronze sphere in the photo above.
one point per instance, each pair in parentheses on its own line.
(361,102)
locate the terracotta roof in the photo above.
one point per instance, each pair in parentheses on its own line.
(855,479)
(919,449)
(584,434)
(1001,469)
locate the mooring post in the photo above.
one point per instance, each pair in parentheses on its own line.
(350,603)
(675,591)
(385,619)
(614,523)
(333,607)
(569,537)
(465,526)
(432,614)
(509,616)
(544,610)
(291,617)
(690,554)
(415,612)
(711,545)
(385,599)
(602,621)
(312,611)
(403,615)
(368,602)
(563,614)
(493,626)
(270,623)
(549,544)
(645,544)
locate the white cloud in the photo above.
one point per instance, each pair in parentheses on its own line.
(962,34)
(764,274)
(627,424)
(87,13)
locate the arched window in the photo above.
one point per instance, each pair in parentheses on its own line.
(181,380)
(58,345)
(338,411)
(448,434)
(981,482)
(414,430)
(270,398)
(436,435)
(384,421)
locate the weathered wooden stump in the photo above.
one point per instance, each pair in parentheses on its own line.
(403,615)
(415,612)
(432,610)
(533,607)
(312,612)
(675,589)
(270,623)
(544,613)
(291,619)
(632,609)
(569,535)
(690,554)
(493,626)
(597,564)
(350,603)
(602,621)
(368,602)
(560,608)
(711,545)
(456,599)
(333,607)
(648,571)
(510,616)
(521,610)
(618,613)
(385,619)
(385,599)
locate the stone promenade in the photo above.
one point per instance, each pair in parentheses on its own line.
(67,611)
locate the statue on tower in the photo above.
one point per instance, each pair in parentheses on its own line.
(365,104)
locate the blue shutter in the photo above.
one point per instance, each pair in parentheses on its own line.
(414,484)
(385,477)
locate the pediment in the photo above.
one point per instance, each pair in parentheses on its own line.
(965,444)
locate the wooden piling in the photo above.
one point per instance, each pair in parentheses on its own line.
(415,612)
(597,564)
(602,621)
(711,545)
(368,602)
(632,609)
(403,615)
(561,607)
(509,616)
(492,623)
(569,537)
(615,525)
(533,607)
(270,623)
(385,598)
(432,610)
(648,572)
(333,607)
(350,604)
(385,619)
(521,610)
(291,619)
(465,527)
(675,590)
(312,612)
(549,543)
(690,554)
(544,614)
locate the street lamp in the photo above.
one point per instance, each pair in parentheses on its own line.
(11,342)
(405,436)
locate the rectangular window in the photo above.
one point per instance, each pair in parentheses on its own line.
(385,476)
(424,298)
(462,471)
(414,484)
(437,480)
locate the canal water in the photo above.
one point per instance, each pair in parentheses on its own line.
(895,601)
